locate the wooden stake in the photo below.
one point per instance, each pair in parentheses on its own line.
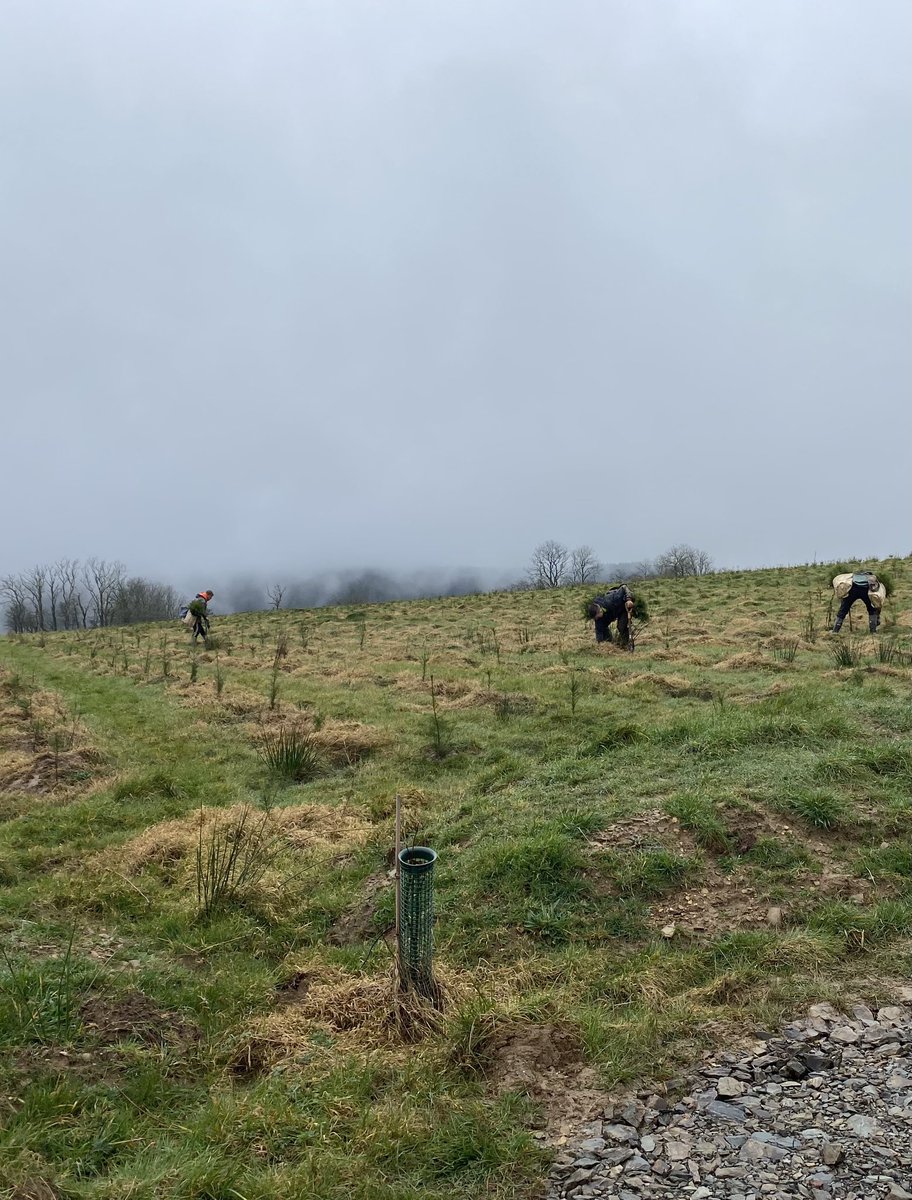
(398,846)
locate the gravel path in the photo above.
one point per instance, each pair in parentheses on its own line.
(823,1111)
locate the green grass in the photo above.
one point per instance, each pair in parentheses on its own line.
(699,814)
(574,794)
(819,809)
(774,855)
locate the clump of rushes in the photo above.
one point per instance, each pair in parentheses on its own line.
(231,858)
(887,651)
(846,653)
(786,650)
(290,753)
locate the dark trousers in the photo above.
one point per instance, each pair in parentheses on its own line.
(603,627)
(200,628)
(860,592)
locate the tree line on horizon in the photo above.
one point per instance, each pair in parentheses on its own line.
(554,565)
(70,594)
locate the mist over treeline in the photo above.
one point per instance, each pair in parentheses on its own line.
(374,585)
(74,594)
(366,585)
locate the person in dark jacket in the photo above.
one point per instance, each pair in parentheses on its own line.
(614,605)
(199,610)
(865,587)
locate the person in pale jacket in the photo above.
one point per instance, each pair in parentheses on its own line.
(863,586)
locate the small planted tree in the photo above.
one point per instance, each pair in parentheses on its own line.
(437,726)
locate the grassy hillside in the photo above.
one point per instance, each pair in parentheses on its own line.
(636,852)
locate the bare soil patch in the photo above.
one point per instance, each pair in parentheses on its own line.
(134,1016)
(44,771)
(546,1062)
(722,901)
(360,923)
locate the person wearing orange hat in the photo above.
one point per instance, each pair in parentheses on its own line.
(199,608)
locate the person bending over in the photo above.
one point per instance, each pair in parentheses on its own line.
(863,586)
(612,606)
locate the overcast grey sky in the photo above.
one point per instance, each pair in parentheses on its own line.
(288,285)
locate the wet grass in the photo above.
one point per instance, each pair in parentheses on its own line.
(569,790)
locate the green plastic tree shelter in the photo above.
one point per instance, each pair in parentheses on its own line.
(416,918)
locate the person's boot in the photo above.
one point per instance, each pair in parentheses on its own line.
(873,623)
(837,626)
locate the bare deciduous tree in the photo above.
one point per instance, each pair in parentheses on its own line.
(142,600)
(71,609)
(584,566)
(548,568)
(275,595)
(34,584)
(681,560)
(68,595)
(18,613)
(102,581)
(645,569)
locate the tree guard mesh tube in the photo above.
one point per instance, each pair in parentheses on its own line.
(416,918)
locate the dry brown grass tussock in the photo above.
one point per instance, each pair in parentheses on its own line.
(347,742)
(303,826)
(43,747)
(749,661)
(362,1012)
(674,685)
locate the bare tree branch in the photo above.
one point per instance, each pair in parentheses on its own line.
(681,560)
(275,595)
(584,566)
(102,581)
(548,568)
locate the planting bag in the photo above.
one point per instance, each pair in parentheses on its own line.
(842,585)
